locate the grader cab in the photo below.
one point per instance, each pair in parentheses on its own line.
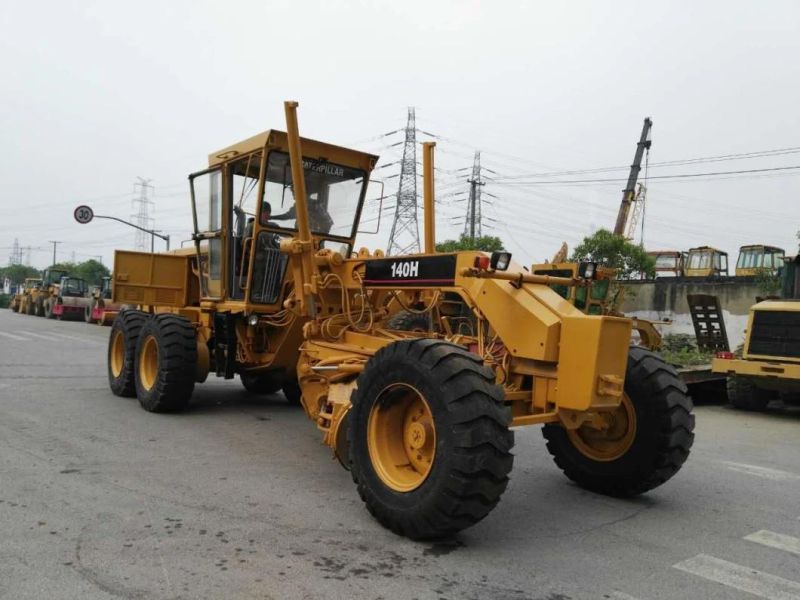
(276,293)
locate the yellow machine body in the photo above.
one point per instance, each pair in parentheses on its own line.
(325,309)
(771,352)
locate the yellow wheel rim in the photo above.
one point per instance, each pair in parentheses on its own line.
(401,437)
(117,353)
(148,362)
(609,444)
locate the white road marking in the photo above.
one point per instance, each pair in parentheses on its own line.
(76,338)
(37,335)
(775,540)
(741,578)
(19,338)
(622,596)
(763,472)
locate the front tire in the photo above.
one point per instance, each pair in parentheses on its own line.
(122,350)
(744,395)
(430,447)
(648,441)
(165,363)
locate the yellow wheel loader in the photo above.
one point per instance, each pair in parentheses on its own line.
(276,293)
(22,299)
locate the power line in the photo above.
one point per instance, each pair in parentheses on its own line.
(674,176)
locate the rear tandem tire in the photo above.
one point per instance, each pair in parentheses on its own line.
(262,383)
(655,450)
(122,350)
(442,400)
(744,395)
(165,363)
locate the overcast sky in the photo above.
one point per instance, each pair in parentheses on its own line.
(97,93)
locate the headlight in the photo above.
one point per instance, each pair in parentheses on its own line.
(587,270)
(500,260)
(252,320)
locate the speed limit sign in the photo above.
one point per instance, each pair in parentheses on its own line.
(83,214)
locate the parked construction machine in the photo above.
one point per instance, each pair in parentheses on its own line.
(769,365)
(276,293)
(51,278)
(101,309)
(21,302)
(67,299)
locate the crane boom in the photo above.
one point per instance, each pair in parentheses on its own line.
(629,193)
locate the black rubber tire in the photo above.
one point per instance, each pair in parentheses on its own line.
(664,433)
(176,340)
(473,442)
(263,383)
(39,309)
(742,394)
(291,389)
(29,308)
(87,313)
(48,310)
(409,321)
(790,398)
(129,322)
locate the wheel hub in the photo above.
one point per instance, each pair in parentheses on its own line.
(117,353)
(401,437)
(612,441)
(148,362)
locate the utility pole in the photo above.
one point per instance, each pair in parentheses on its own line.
(629,193)
(472,225)
(404,238)
(141,215)
(55,243)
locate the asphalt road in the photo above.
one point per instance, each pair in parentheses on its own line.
(237,498)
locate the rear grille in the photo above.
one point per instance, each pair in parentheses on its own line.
(775,333)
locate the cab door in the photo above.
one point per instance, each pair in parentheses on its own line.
(207,210)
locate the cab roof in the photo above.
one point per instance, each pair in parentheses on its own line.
(761,246)
(707,249)
(278,140)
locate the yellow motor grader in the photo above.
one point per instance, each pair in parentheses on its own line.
(276,293)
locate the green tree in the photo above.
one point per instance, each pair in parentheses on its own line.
(92,271)
(485,243)
(18,273)
(609,250)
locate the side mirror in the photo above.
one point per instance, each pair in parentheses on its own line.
(380,208)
